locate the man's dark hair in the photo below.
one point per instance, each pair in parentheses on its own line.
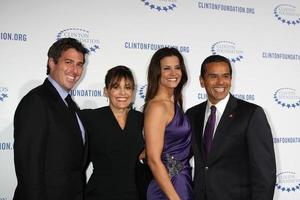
(62,45)
(214,58)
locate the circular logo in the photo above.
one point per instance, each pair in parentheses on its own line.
(160,5)
(3,93)
(287,14)
(287,182)
(287,97)
(142,91)
(81,35)
(227,49)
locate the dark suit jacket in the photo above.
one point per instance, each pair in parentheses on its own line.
(114,152)
(241,164)
(48,150)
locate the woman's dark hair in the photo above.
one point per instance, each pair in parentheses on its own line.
(154,73)
(115,74)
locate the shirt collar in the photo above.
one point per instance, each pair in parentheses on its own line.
(220,105)
(61,91)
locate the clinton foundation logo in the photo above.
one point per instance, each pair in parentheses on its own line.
(226,8)
(21,37)
(286,140)
(228,49)
(147,46)
(6,146)
(287,98)
(245,97)
(160,5)
(287,14)
(87,93)
(142,91)
(83,36)
(287,182)
(3,94)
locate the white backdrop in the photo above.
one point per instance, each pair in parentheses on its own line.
(260,37)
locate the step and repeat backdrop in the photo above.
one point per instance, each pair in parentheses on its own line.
(261,38)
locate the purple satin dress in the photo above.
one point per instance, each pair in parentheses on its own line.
(175,156)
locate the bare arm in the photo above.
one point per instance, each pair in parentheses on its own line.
(156,119)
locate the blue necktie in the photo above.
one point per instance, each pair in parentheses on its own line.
(209,131)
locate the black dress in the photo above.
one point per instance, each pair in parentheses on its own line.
(114,153)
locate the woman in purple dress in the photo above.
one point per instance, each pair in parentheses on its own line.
(167,130)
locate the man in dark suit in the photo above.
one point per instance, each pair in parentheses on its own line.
(49,137)
(236,161)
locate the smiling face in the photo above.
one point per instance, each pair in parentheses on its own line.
(120,94)
(170,75)
(216,81)
(68,69)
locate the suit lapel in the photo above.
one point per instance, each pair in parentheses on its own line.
(225,121)
(199,125)
(63,110)
(54,94)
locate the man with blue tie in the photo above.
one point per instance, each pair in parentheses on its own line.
(232,141)
(50,144)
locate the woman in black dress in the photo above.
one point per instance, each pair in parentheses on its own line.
(115,140)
